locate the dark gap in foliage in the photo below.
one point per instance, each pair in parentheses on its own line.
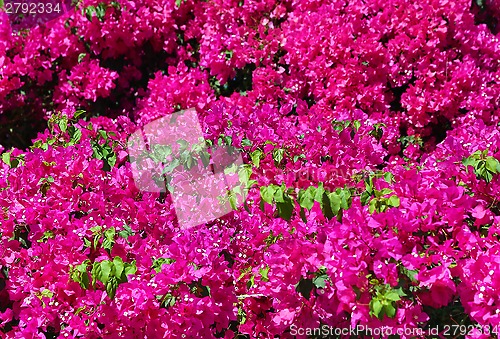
(19,126)
(483,14)
(397,93)
(112,105)
(439,130)
(51,333)
(195,54)
(451,314)
(385,38)
(228,257)
(21,234)
(77,214)
(280,53)
(241,82)
(5,302)
(309,99)
(115,64)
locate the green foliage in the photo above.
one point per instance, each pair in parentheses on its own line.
(99,11)
(377,132)
(126,232)
(384,302)
(45,293)
(166,301)
(104,150)
(379,200)
(45,184)
(278,155)
(179,2)
(410,140)
(197,288)
(279,195)
(485,167)
(340,125)
(264,273)
(110,273)
(104,238)
(46,236)
(64,131)
(13,162)
(80,275)
(284,198)
(158,263)
(306,285)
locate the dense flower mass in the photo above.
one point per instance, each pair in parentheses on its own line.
(371,141)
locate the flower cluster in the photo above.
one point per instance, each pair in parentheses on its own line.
(371,141)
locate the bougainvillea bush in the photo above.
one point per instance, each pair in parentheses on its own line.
(370,136)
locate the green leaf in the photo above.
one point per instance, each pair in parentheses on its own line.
(388,177)
(75,135)
(492,165)
(369,185)
(205,158)
(320,281)
(6,158)
(279,194)
(126,232)
(256,156)
(173,164)
(106,267)
(373,206)
(393,201)
(111,286)
(411,274)
(392,296)
(389,310)
(285,209)
(96,272)
(264,273)
(278,155)
(318,196)
(345,196)
(302,214)
(382,192)
(233,202)
(118,267)
(326,207)
(365,198)
(251,282)
(63,124)
(334,202)
(375,307)
(130,268)
(246,142)
(267,193)
(89,12)
(80,58)
(167,301)
(109,239)
(306,198)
